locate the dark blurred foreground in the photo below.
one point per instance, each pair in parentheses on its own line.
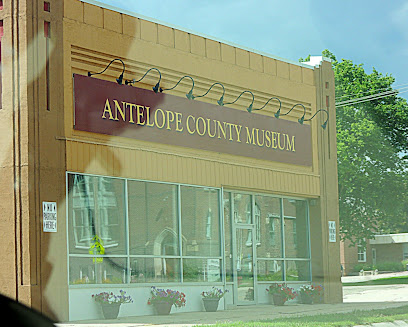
(17,314)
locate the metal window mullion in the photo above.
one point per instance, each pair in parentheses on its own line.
(309,240)
(222,238)
(283,238)
(67,224)
(179,232)
(254,249)
(128,271)
(234,249)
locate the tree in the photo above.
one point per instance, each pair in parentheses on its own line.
(371,136)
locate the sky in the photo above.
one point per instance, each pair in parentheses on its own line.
(373,33)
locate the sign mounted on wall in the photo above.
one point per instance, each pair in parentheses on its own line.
(49,217)
(121,110)
(332,231)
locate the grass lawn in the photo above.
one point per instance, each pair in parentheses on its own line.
(359,317)
(381,281)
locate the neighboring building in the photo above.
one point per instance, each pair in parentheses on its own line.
(389,248)
(381,249)
(353,256)
(108,186)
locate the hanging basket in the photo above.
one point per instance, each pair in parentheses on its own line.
(110,311)
(211,305)
(162,308)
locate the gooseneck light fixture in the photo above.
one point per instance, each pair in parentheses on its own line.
(325,123)
(220,101)
(249,109)
(189,95)
(119,80)
(300,120)
(155,88)
(273,98)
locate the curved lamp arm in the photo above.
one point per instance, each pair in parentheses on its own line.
(249,109)
(280,104)
(325,123)
(119,80)
(156,88)
(189,95)
(221,100)
(300,120)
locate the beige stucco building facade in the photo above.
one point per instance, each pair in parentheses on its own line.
(215,218)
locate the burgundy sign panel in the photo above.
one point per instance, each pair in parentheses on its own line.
(123,110)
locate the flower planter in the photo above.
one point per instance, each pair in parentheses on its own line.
(211,305)
(110,311)
(162,308)
(279,299)
(306,298)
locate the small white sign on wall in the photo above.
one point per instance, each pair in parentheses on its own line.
(332,231)
(50,217)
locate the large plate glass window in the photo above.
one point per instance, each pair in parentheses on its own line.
(200,225)
(96,222)
(153,227)
(130,231)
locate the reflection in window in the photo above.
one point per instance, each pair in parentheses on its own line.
(200,221)
(159,270)
(109,244)
(270,270)
(96,211)
(276,221)
(201,270)
(296,228)
(107,270)
(297,270)
(269,245)
(242,208)
(153,220)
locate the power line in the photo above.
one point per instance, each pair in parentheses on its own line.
(374,97)
(368,91)
(391,92)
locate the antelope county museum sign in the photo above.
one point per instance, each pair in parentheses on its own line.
(127,111)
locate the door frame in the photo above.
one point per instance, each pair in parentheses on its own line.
(251,228)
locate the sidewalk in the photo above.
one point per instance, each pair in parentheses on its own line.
(357,279)
(242,313)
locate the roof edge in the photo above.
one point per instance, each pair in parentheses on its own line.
(136,15)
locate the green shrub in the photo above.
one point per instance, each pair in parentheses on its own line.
(390,266)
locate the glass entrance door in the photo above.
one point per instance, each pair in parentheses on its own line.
(244,266)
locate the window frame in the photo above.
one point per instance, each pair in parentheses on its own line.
(129,256)
(284,259)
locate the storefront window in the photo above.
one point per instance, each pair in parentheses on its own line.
(242,208)
(276,229)
(96,215)
(296,228)
(202,270)
(157,270)
(270,236)
(153,219)
(270,270)
(200,222)
(97,270)
(111,245)
(297,270)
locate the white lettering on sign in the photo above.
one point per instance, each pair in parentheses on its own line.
(332,231)
(49,217)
